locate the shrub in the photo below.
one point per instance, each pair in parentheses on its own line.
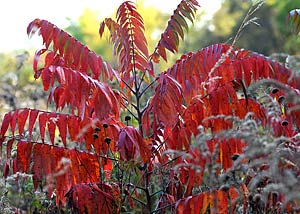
(219,134)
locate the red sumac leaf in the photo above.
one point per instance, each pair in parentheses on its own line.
(9,146)
(63,180)
(73,127)
(90,168)
(75,168)
(49,166)
(107,167)
(62,127)
(24,151)
(52,126)
(170,37)
(166,104)
(22,117)
(47,75)
(131,145)
(93,198)
(13,121)
(32,118)
(5,123)
(37,167)
(43,118)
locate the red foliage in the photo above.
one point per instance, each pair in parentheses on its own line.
(170,37)
(218,201)
(130,44)
(83,155)
(94,198)
(131,142)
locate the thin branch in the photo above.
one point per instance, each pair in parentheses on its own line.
(128,86)
(148,86)
(136,187)
(164,207)
(170,161)
(144,109)
(141,202)
(134,106)
(141,80)
(153,194)
(130,112)
(246,21)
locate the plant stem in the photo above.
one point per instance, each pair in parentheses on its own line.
(153,194)
(164,207)
(128,86)
(148,86)
(130,112)
(136,84)
(141,79)
(141,202)
(148,195)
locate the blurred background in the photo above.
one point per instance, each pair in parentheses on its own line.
(217,21)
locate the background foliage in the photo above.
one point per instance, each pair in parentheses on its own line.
(15,83)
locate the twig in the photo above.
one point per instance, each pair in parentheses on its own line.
(246,21)
(164,207)
(129,111)
(148,86)
(141,202)
(128,86)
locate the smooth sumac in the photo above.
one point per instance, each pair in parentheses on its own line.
(179,144)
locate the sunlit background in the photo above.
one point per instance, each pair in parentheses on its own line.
(15,15)
(217,21)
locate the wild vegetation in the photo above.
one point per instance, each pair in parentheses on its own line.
(217,132)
